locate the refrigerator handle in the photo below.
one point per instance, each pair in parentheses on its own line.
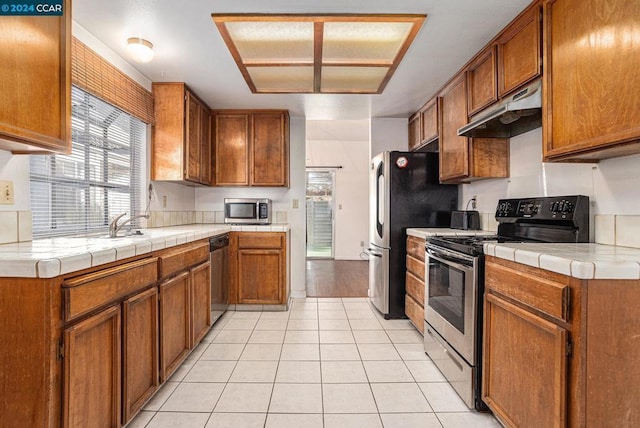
(380,196)
(369,252)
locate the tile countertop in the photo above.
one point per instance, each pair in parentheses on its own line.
(48,258)
(424,233)
(583,261)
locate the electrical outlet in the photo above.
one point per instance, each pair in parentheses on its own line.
(6,192)
(295,203)
(362,243)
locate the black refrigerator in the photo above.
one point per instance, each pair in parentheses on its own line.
(404,192)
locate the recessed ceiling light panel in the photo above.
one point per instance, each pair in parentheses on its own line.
(318,53)
(273,42)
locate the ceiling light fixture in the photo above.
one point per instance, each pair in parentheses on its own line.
(330,54)
(140,49)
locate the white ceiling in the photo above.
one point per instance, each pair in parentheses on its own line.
(189,48)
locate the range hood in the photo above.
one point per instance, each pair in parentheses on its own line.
(514,115)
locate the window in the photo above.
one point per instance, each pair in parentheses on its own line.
(81,192)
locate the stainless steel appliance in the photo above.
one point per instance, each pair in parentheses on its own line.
(454,280)
(219,258)
(247,211)
(404,192)
(513,115)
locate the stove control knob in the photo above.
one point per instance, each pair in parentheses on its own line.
(567,208)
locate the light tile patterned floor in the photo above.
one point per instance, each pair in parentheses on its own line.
(328,362)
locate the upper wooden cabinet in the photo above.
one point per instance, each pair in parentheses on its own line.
(423,125)
(429,125)
(591,63)
(181,138)
(415,139)
(519,51)
(482,81)
(35,83)
(454,153)
(465,159)
(251,147)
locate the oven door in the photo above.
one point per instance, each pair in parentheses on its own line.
(451,298)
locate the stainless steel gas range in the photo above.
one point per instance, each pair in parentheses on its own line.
(455,282)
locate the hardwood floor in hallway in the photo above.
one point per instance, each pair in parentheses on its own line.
(337,278)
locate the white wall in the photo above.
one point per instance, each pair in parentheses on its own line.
(388,134)
(351,192)
(211,199)
(613,185)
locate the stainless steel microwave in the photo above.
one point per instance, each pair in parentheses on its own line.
(247,211)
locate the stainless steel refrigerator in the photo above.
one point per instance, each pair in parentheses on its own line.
(404,192)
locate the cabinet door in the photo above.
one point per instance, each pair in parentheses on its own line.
(414,132)
(270,150)
(35,82)
(232,149)
(261,276)
(482,81)
(174,323)
(454,150)
(205,145)
(192,139)
(91,379)
(591,63)
(525,366)
(519,52)
(140,353)
(429,121)
(200,302)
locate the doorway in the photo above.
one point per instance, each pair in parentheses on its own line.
(320,213)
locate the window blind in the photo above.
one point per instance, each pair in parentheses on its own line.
(91,72)
(81,192)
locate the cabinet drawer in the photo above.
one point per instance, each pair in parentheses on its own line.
(538,289)
(180,258)
(85,293)
(260,240)
(416,267)
(415,312)
(415,247)
(415,288)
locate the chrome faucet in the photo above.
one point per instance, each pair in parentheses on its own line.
(114,226)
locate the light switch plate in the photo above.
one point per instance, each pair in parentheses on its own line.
(6,192)
(295,203)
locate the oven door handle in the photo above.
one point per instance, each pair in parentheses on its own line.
(443,259)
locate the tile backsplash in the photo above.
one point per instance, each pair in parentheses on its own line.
(609,229)
(177,218)
(15,226)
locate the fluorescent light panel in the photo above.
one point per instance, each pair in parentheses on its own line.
(318,53)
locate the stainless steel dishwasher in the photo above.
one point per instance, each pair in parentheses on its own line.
(219,257)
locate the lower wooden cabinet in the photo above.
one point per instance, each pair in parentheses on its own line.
(89,349)
(518,341)
(200,301)
(92,364)
(140,353)
(175,337)
(560,351)
(414,282)
(185,302)
(258,267)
